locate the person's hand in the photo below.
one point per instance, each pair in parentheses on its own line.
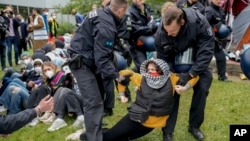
(46,104)
(180,89)
(183,78)
(31,84)
(124,99)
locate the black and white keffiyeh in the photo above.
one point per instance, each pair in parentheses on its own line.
(156,82)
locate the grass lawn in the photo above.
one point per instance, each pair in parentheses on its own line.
(227,103)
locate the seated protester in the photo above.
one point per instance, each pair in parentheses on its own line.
(154,100)
(14,95)
(59,50)
(39,54)
(27,60)
(54,78)
(56,59)
(67,100)
(34,78)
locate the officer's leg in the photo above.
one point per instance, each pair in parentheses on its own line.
(196,115)
(220,62)
(92,102)
(171,122)
(138,57)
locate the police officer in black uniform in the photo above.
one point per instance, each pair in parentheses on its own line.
(91,54)
(192,3)
(140,14)
(216,16)
(184,29)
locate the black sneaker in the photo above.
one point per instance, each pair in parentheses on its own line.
(108,112)
(196,132)
(168,137)
(83,137)
(224,79)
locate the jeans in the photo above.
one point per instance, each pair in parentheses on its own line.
(11,40)
(14,101)
(3,54)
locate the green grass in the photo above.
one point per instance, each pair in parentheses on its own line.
(227,103)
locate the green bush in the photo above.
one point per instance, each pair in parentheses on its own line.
(65,28)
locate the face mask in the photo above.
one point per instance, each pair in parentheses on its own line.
(27,61)
(46,13)
(49,74)
(54,17)
(38,69)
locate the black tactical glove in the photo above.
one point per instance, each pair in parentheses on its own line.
(125,79)
(183,78)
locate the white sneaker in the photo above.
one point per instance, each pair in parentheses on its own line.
(34,122)
(2,109)
(57,124)
(45,116)
(51,119)
(75,136)
(79,123)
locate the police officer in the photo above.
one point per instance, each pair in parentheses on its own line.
(91,53)
(192,3)
(184,29)
(140,17)
(216,16)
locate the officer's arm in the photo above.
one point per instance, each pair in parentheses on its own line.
(103,52)
(205,48)
(209,15)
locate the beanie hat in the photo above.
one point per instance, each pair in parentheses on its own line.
(61,38)
(47,48)
(38,60)
(25,53)
(59,44)
(39,54)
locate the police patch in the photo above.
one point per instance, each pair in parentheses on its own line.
(92,14)
(209,31)
(109,44)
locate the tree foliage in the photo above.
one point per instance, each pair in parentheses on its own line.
(83,6)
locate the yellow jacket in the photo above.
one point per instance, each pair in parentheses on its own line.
(136,78)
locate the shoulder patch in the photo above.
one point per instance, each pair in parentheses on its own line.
(109,44)
(209,31)
(92,14)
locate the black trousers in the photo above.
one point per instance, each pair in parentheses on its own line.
(196,112)
(3,54)
(67,100)
(37,95)
(220,59)
(22,46)
(138,57)
(87,81)
(125,130)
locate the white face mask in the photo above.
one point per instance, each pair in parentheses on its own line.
(46,13)
(54,17)
(38,69)
(49,74)
(26,61)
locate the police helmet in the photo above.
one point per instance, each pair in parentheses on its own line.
(222,32)
(146,42)
(245,63)
(119,61)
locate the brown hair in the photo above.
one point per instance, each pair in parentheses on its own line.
(170,13)
(117,4)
